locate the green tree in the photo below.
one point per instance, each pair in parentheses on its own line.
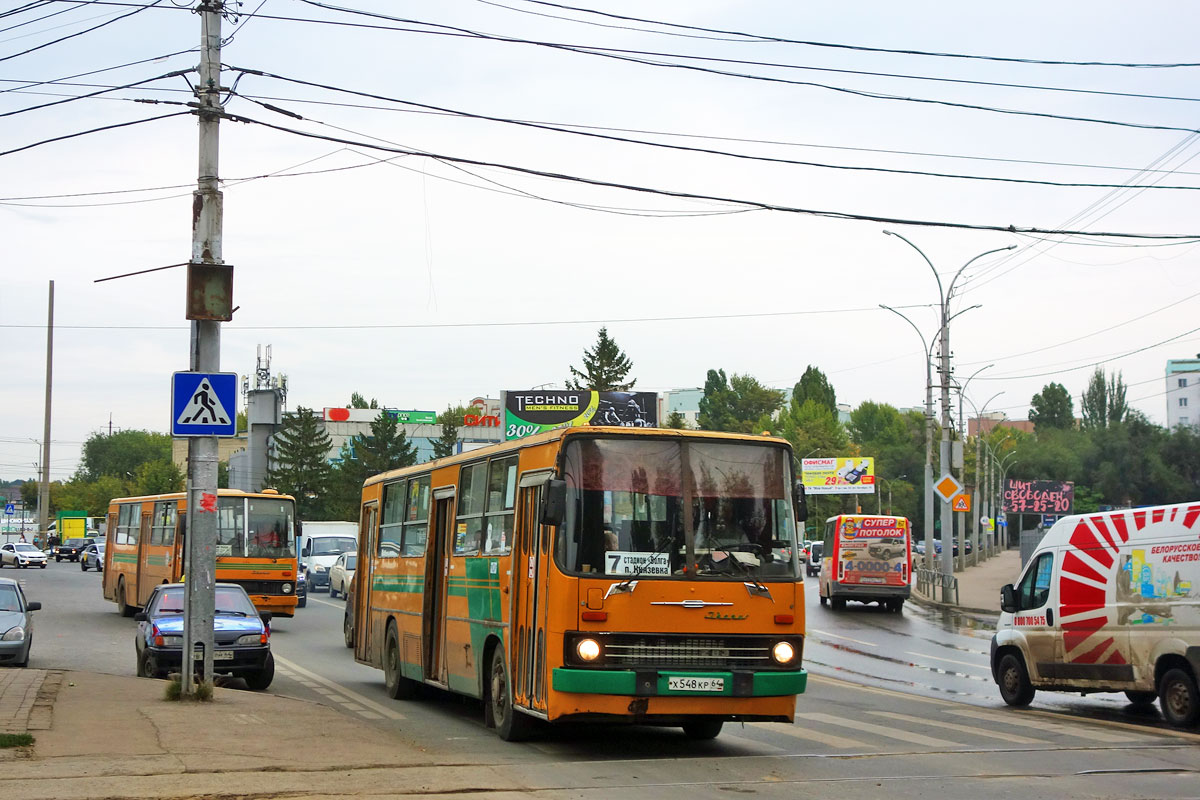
(813,385)
(1103,402)
(739,404)
(1052,408)
(243,421)
(122,453)
(676,421)
(605,368)
(813,430)
(358,401)
(160,476)
(450,420)
(385,448)
(300,466)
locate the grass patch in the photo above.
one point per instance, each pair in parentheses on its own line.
(15,739)
(174,691)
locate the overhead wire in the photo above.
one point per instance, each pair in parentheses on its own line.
(90,131)
(44,45)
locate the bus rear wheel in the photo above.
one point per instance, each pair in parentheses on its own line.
(511,725)
(123,607)
(703,728)
(398,687)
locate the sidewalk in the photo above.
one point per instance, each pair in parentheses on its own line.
(112,736)
(979,586)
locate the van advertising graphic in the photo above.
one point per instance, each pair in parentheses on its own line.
(838,475)
(535,411)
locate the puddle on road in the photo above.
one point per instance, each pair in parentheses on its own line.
(903,662)
(835,671)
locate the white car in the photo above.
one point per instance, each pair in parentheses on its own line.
(341,573)
(21,554)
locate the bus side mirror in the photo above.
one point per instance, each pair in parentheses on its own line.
(801,502)
(1008,598)
(554,503)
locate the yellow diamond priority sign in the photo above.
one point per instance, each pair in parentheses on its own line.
(946,486)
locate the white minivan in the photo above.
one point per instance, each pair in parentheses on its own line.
(1109,602)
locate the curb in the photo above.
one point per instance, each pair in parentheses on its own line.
(922,600)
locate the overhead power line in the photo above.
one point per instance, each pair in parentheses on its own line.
(760,37)
(762,205)
(137,10)
(686,148)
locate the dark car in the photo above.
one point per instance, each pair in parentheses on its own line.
(302,586)
(241,635)
(16,623)
(72,548)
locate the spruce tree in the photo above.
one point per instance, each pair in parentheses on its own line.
(300,463)
(605,368)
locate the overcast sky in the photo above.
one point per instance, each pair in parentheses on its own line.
(424,282)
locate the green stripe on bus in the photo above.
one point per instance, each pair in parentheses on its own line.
(276,567)
(414,584)
(624,682)
(124,558)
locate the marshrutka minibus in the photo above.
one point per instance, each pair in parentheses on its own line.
(590,574)
(255,547)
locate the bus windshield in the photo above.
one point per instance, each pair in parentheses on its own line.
(257,527)
(673,510)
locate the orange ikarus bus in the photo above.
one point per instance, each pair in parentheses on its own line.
(256,547)
(866,558)
(611,574)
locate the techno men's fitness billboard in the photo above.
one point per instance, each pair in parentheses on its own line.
(534,411)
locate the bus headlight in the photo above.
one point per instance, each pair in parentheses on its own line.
(588,649)
(287,588)
(783,652)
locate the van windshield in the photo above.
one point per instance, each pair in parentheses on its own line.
(669,509)
(332,546)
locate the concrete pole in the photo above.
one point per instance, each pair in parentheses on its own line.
(205,356)
(44,483)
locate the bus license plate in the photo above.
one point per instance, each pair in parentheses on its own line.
(696,684)
(218,655)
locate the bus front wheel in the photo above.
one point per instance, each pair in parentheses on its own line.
(511,725)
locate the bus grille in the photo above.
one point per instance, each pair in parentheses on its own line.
(263,587)
(659,651)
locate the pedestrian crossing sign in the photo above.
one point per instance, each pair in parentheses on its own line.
(204,404)
(962,502)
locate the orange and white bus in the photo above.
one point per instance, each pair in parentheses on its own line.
(866,558)
(612,574)
(256,547)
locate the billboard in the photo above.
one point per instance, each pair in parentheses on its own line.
(838,475)
(1038,497)
(372,414)
(534,411)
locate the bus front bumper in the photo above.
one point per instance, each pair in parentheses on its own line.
(658,683)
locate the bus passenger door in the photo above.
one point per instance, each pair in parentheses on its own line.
(437,569)
(363,586)
(142,592)
(528,645)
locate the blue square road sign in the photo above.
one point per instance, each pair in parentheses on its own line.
(204,404)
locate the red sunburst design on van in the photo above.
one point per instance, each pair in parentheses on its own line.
(1089,574)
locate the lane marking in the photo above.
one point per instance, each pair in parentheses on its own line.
(954,726)
(847,638)
(882,730)
(1018,718)
(326,602)
(366,701)
(862,687)
(798,732)
(977,665)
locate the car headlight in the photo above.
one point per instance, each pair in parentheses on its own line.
(783,652)
(16,634)
(319,568)
(251,639)
(588,649)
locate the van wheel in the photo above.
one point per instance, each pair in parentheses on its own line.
(838,603)
(1015,687)
(398,687)
(1179,698)
(703,729)
(1141,698)
(824,599)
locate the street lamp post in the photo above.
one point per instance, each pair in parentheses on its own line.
(1004,467)
(927,350)
(879,496)
(944,298)
(979,484)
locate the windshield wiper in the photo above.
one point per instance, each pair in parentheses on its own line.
(745,568)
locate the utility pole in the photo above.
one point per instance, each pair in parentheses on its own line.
(44,483)
(204,356)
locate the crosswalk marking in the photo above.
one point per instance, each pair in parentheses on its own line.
(847,638)
(378,708)
(1027,720)
(976,665)
(880,730)
(811,734)
(974,730)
